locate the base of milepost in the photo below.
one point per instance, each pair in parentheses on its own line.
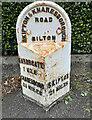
(46,108)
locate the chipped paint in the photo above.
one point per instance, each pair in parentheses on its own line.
(59,31)
(44,49)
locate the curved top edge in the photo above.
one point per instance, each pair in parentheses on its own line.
(45,3)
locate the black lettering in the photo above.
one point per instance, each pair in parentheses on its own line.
(28,80)
(41,86)
(33,11)
(58,16)
(35,64)
(62,23)
(66,83)
(23,31)
(30,62)
(26,20)
(51,11)
(24,61)
(24,38)
(38,84)
(23,25)
(67,75)
(40,38)
(56,81)
(35,72)
(30,15)
(63,36)
(59,87)
(53,91)
(40,92)
(28,70)
(63,27)
(27,62)
(63,39)
(49,84)
(43,10)
(62,78)
(63,32)
(50,19)
(19,60)
(47,9)
(59,80)
(50,92)
(42,65)
(53,37)
(60,20)
(45,20)
(53,82)
(37,91)
(31,71)
(25,78)
(48,38)
(55,14)
(41,19)
(33,82)
(38,64)
(25,85)
(36,19)
(38,9)
(23,68)
(33,38)
(37,38)
(44,37)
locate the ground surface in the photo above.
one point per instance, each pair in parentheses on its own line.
(75,105)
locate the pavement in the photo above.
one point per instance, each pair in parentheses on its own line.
(14,105)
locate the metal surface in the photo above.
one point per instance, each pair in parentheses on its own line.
(44,46)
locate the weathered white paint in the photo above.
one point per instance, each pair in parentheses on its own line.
(31,25)
(51,59)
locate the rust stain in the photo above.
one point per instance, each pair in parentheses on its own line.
(53,65)
(59,29)
(44,49)
(40,59)
(27,32)
(18,56)
(38,4)
(61,44)
(43,4)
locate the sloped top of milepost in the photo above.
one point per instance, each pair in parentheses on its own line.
(44,49)
(27,34)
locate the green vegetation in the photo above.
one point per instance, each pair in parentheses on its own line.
(80,15)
